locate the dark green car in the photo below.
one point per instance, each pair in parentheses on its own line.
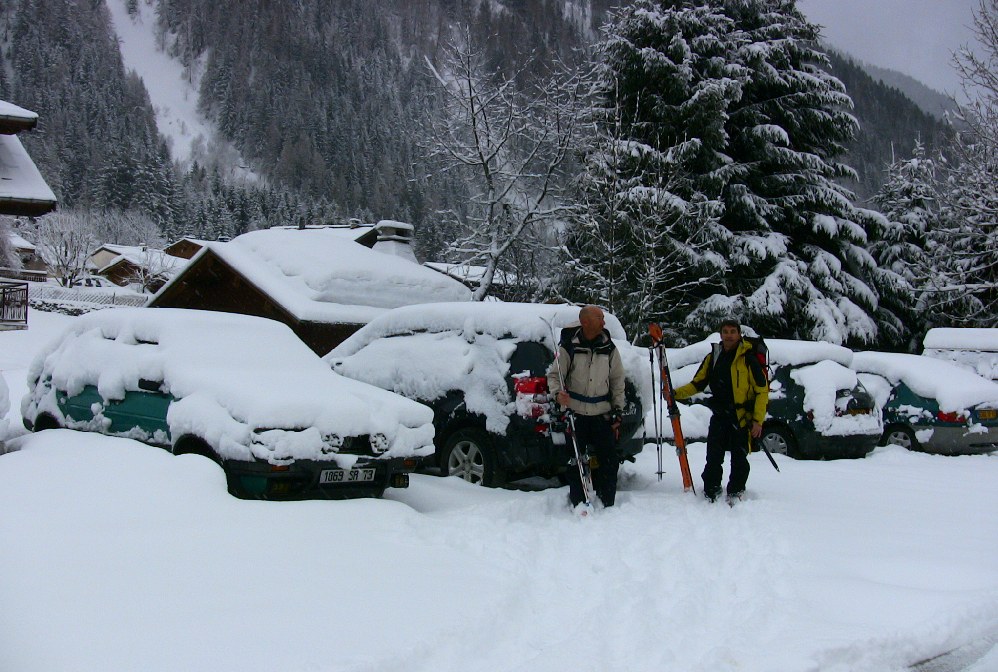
(931,405)
(242,391)
(794,428)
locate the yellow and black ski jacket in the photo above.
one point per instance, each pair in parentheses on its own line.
(748,384)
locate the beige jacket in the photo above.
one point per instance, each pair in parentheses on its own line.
(594,376)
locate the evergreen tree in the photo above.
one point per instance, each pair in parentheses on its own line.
(910,204)
(964,288)
(734,95)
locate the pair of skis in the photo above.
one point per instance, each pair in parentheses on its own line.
(665,396)
(668,397)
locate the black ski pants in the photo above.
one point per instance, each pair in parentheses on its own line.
(724,435)
(595,438)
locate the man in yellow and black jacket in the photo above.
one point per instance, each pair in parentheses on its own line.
(739,394)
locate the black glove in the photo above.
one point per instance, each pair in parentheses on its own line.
(616,417)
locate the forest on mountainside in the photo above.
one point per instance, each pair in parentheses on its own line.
(328,102)
(760,192)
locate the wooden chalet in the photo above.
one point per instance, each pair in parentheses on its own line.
(23,192)
(318,281)
(33,267)
(185,248)
(127,264)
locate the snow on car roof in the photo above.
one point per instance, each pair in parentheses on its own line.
(230,372)
(954,387)
(781,352)
(940,338)
(449,346)
(498,319)
(319,275)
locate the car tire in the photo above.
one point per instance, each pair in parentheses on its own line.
(779,440)
(901,435)
(469,454)
(45,421)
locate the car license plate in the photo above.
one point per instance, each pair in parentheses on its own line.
(346,476)
(987,414)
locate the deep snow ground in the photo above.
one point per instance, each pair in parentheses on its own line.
(118,556)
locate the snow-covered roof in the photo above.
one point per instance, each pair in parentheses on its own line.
(954,387)
(231,374)
(19,115)
(319,275)
(22,188)
(347,231)
(973,349)
(156,260)
(19,242)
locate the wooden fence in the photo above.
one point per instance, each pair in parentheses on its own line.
(80,295)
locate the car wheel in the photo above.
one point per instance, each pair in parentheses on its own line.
(779,440)
(469,454)
(901,435)
(45,421)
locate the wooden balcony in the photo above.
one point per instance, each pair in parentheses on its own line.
(13,305)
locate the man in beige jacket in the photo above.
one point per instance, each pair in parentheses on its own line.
(593,372)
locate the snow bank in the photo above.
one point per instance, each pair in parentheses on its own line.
(955,388)
(232,374)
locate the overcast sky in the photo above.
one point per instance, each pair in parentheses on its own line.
(916,37)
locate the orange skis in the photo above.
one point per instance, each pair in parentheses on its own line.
(669,400)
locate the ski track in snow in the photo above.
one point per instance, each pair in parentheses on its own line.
(550,572)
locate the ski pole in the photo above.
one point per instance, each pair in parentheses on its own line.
(768,454)
(669,398)
(655,411)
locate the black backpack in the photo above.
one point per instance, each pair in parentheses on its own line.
(759,354)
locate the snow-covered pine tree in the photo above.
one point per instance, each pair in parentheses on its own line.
(910,204)
(964,290)
(733,95)
(641,243)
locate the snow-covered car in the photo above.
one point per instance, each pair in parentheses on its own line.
(93,281)
(975,349)
(481,367)
(242,391)
(818,408)
(931,405)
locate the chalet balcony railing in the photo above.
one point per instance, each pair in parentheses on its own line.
(13,305)
(76,294)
